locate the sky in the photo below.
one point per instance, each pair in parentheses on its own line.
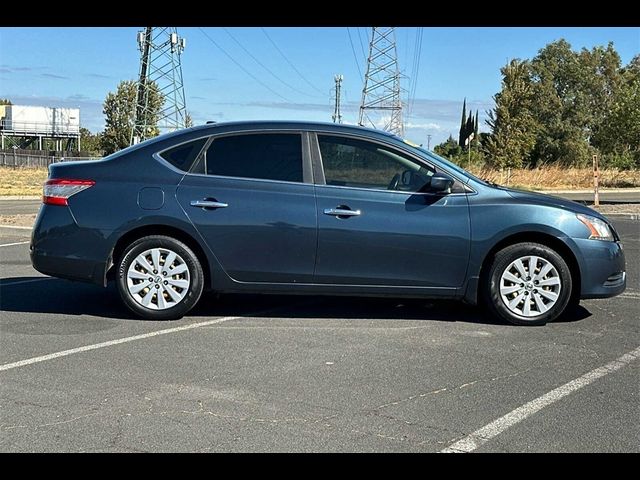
(77,67)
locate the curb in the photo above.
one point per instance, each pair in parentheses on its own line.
(20,197)
(627,215)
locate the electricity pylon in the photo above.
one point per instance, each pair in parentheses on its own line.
(381,91)
(161,69)
(337,116)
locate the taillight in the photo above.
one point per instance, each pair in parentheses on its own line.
(58,190)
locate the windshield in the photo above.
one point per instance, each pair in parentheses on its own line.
(448,163)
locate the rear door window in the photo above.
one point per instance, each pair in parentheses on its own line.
(265,156)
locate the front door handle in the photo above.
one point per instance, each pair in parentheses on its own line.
(341,212)
(208,204)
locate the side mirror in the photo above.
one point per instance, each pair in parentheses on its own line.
(441,182)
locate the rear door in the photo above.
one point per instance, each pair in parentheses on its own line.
(251,197)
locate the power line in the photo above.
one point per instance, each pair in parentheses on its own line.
(242,68)
(262,64)
(415,68)
(364,55)
(354,54)
(289,62)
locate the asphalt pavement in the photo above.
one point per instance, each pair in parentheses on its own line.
(288,373)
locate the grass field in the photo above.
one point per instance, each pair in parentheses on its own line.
(28,181)
(22,181)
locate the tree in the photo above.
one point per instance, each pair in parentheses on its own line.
(119,109)
(514,127)
(90,143)
(463,124)
(188,120)
(5,101)
(475,129)
(449,149)
(619,136)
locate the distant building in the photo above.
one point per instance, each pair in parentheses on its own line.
(26,126)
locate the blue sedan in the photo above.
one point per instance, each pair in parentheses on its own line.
(314,208)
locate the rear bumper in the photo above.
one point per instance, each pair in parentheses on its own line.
(60,248)
(602,268)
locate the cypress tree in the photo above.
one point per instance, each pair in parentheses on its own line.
(475,129)
(461,135)
(468,127)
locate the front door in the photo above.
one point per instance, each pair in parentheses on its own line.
(253,203)
(379,226)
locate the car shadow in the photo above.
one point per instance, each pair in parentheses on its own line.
(56,296)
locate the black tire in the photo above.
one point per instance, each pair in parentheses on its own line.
(196,277)
(502,260)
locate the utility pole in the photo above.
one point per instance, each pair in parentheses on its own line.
(337,116)
(160,69)
(381,91)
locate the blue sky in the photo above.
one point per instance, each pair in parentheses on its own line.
(76,67)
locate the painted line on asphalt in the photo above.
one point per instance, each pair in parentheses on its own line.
(12,244)
(481,436)
(17,227)
(96,346)
(3,284)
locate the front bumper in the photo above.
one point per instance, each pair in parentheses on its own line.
(602,268)
(60,248)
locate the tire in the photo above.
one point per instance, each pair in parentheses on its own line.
(541,299)
(160,295)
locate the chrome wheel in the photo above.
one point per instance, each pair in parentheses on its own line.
(530,286)
(158,279)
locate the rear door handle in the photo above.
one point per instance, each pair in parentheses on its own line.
(208,204)
(341,212)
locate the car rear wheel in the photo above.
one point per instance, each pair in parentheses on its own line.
(528,284)
(159,278)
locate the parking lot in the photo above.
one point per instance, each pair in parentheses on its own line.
(252,373)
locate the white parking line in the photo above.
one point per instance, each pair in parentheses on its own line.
(86,348)
(16,243)
(486,433)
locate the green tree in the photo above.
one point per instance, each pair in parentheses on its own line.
(574,92)
(188,120)
(619,136)
(463,124)
(512,122)
(5,101)
(119,109)
(90,143)
(476,138)
(449,149)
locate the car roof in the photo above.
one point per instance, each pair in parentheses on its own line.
(289,124)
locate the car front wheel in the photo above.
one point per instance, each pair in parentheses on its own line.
(528,284)
(159,278)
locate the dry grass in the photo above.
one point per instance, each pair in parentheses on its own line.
(556,177)
(28,181)
(22,180)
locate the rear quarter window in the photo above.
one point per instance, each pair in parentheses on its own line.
(183,156)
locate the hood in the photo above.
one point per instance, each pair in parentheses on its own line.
(552,201)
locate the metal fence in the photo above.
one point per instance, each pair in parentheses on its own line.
(26,160)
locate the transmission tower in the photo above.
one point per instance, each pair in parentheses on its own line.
(381,92)
(160,50)
(337,116)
